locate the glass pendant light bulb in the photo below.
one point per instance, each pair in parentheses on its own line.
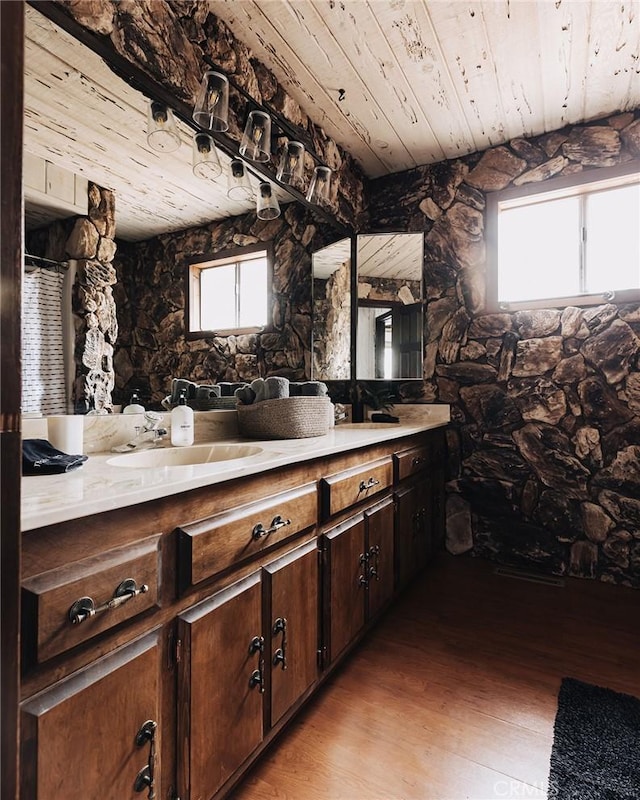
(206,163)
(291,162)
(238,186)
(256,139)
(162,133)
(319,187)
(211,110)
(267,204)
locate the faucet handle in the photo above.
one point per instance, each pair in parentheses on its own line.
(152,420)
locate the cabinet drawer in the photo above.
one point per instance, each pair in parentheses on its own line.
(345,489)
(410,462)
(219,542)
(69,605)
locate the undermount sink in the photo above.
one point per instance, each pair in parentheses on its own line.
(184,456)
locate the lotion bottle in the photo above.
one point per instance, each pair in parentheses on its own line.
(134,407)
(182,423)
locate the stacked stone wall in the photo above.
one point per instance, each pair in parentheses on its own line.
(153,348)
(544,449)
(332,325)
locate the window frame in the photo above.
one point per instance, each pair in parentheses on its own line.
(577,184)
(195,267)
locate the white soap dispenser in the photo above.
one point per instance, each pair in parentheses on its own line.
(182,423)
(134,407)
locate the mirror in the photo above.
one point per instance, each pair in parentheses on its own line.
(390,309)
(83,123)
(331,332)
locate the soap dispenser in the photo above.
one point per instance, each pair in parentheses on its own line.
(182,423)
(135,406)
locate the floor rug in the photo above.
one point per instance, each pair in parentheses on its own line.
(596,744)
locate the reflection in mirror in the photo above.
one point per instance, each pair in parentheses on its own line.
(86,126)
(390,312)
(332,312)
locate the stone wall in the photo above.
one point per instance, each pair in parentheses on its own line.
(544,448)
(91,241)
(332,325)
(388,290)
(152,346)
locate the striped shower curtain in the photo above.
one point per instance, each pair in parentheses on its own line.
(43,367)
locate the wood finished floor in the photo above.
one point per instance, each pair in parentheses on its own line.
(453,695)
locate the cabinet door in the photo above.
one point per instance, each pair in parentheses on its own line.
(344,583)
(80,737)
(291,593)
(380,561)
(220,687)
(413,530)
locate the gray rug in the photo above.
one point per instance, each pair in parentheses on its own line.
(596,744)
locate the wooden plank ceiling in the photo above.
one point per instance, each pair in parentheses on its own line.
(83,118)
(397,83)
(425,80)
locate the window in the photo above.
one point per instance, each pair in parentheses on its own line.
(573,240)
(230,293)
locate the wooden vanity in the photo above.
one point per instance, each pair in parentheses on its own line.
(167,642)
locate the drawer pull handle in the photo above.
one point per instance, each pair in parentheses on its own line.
(374,557)
(280,655)
(144,778)
(418,461)
(276,523)
(365,486)
(256,645)
(85,607)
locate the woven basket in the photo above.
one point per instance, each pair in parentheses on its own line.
(286,418)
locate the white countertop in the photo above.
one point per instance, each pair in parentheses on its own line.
(98,486)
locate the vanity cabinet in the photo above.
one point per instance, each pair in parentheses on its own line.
(96,733)
(248,653)
(168,643)
(358,574)
(419,474)
(413,536)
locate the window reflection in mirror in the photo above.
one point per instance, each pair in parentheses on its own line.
(332,312)
(390,311)
(230,293)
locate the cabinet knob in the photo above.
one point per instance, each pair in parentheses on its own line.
(256,680)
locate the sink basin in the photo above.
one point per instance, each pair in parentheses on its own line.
(184,456)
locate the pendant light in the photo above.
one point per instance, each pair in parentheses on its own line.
(238,186)
(267,206)
(162,133)
(211,110)
(291,162)
(206,163)
(256,139)
(319,186)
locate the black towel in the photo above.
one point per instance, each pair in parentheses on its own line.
(40,457)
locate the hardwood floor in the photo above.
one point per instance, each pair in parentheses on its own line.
(453,695)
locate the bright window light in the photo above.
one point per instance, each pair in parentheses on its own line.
(229,294)
(564,243)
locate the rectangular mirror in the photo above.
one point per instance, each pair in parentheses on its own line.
(331,333)
(390,309)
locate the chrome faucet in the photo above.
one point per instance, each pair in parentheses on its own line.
(149,435)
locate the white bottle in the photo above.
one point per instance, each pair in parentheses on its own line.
(134,406)
(182,423)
